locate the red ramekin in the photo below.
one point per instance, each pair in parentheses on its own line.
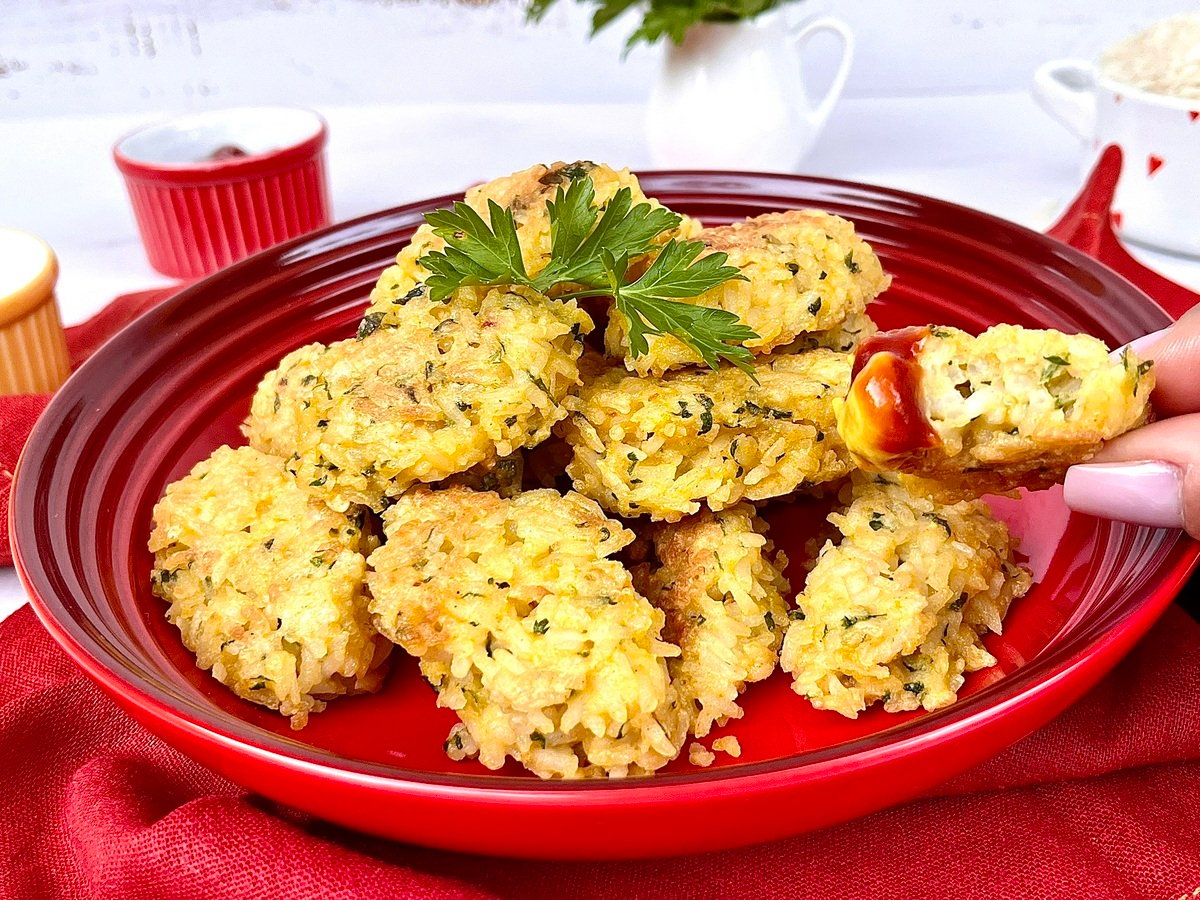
(197,214)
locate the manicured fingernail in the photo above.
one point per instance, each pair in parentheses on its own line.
(1145,493)
(1139,346)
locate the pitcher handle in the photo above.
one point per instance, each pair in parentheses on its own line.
(1066,88)
(800,36)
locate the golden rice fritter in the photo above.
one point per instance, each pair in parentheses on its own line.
(526,194)
(659,447)
(433,390)
(806,271)
(265,584)
(526,630)
(896,610)
(720,583)
(1013,407)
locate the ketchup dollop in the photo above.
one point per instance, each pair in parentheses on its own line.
(884,393)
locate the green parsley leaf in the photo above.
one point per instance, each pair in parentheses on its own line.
(590,251)
(650,304)
(476,252)
(577,240)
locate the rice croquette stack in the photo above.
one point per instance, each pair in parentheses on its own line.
(720,583)
(560,643)
(265,584)
(659,447)
(528,631)
(803,271)
(896,610)
(426,393)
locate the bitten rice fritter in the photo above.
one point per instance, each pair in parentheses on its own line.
(720,583)
(526,194)
(527,631)
(896,610)
(265,584)
(660,447)
(805,271)
(1012,407)
(432,390)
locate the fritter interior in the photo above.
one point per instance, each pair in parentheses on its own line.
(1013,407)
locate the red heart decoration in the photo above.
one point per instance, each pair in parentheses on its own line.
(1116,218)
(1155,163)
(1194,114)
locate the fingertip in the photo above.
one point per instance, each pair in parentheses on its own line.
(1140,347)
(1143,493)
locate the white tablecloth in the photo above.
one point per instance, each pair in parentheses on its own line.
(995,152)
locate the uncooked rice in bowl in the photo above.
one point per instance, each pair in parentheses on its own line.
(1162,59)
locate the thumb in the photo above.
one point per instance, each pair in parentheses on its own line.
(1148,476)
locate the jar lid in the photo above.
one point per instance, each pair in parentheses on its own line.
(28,271)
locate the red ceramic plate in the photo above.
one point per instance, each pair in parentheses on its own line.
(174,385)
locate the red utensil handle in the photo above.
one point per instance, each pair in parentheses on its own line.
(1087,225)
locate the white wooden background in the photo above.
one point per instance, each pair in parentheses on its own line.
(96,56)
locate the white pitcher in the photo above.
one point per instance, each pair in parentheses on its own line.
(732,95)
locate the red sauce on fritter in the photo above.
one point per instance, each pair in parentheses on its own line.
(886,379)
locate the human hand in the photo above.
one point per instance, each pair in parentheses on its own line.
(1151,475)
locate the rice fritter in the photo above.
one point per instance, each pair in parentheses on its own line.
(265,584)
(658,447)
(526,194)
(896,610)
(1012,407)
(428,391)
(805,271)
(527,631)
(720,583)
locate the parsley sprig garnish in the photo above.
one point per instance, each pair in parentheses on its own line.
(590,252)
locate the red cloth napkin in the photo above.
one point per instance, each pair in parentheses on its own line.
(1100,803)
